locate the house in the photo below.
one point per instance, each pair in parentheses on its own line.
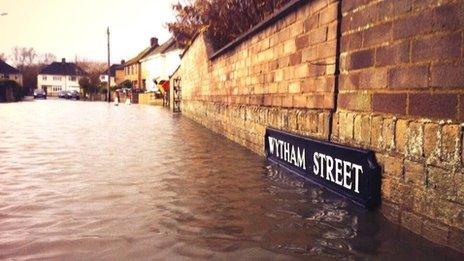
(159,64)
(9,72)
(60,76)
(119,75)
(132,68)
(113,69)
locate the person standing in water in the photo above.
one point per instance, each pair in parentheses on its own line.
(128,98)
(116,98)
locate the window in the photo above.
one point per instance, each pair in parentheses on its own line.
(72,78)
(56,88)
(56,78)
(44,78)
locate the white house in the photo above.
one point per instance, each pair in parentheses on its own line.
(159,65)
(60,76)
(9,72)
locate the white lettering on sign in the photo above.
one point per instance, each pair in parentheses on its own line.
(340,172)
(288,152)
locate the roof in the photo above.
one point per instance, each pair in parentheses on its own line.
(6,68)
(113,69)
(169,45)
(62,68)
(141,55)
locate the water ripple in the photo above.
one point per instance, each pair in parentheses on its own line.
(93,181)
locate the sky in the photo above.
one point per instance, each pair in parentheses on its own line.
(68,28)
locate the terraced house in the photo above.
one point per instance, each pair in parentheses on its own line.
(159,64)
(133,67)
(60,76)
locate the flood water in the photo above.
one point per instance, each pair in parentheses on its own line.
(81,180)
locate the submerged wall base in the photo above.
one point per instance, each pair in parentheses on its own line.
(381,75)
(422,181)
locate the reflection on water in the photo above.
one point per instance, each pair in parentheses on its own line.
(94,181)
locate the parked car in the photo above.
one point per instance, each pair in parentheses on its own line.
(39,93)
(62,94)
(73,95)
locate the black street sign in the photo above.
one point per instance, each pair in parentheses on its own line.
(350,172)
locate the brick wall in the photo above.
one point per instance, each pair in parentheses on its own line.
(403,58)
(282,76)
(399,92)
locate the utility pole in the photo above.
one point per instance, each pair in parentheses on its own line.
(109,65)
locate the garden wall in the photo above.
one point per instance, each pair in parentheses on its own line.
(386,75)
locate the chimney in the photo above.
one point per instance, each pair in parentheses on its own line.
(63,60)
(123,61)
(154,42)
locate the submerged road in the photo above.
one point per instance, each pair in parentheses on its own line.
(81,180)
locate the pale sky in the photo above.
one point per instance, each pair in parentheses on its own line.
(68,28)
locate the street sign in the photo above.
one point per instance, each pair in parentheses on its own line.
(350,172)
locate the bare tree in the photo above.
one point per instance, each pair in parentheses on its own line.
(16,56)
(30,55)
(29,62)
(92,68)
(23,56)
(46,58)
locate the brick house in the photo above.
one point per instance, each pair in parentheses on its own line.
(119,73)
(113,79)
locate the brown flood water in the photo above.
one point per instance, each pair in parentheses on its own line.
(92,181)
